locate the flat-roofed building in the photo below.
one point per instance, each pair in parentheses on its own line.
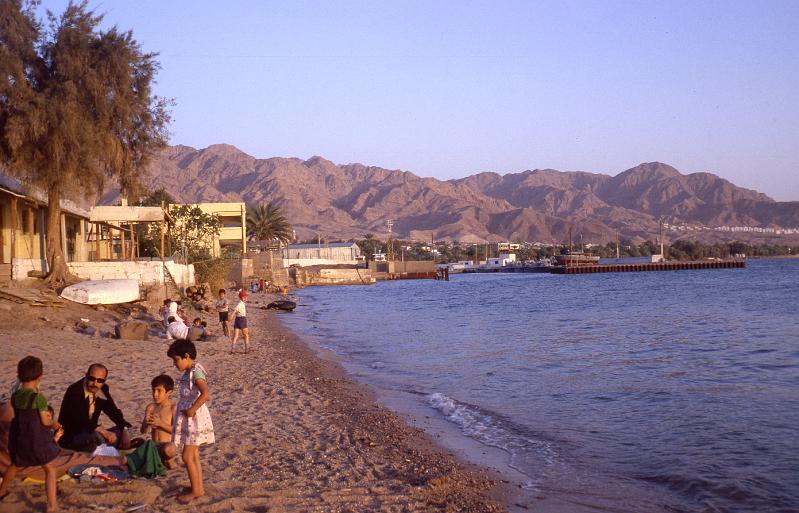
(233,233)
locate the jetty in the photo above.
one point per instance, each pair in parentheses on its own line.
(644,267)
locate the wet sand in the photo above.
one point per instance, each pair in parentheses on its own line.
(294,434)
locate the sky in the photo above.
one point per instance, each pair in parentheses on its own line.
(449,89)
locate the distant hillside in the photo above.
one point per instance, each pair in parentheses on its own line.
(343,201)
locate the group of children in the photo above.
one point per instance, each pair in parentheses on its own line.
(177,326)
(34,432)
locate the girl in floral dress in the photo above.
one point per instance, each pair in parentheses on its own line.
(191,426)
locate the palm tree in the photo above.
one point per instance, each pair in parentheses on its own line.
(267,223)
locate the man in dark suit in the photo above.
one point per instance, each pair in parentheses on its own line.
(80,411)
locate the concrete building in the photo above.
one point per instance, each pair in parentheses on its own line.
(23,229)
(322,254)
(233,233)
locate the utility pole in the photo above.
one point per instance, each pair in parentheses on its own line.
(662,256)
(390,242)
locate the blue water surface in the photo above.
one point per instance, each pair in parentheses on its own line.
(659,391)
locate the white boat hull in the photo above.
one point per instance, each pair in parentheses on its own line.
(102,292)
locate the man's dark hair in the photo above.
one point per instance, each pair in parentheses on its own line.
(196,319)
(171,319)
(222,291)
(163,380)
(182,348)
(97,366)
(29,368)
(167,301)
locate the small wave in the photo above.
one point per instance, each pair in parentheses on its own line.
(493,431)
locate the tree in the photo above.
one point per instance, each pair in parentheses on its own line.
(194,232)
(76,108)
(157,198)
(267,223)
(369,246)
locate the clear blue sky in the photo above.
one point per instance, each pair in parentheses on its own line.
(448,89)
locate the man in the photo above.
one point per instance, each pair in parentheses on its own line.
(81,407)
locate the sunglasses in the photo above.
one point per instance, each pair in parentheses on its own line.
(92,378)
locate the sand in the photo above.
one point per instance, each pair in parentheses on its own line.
(293,433)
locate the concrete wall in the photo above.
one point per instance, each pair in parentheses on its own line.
(306,278)
(147,272)
(21,266)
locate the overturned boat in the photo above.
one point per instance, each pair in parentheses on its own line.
(283,304)
(103,292)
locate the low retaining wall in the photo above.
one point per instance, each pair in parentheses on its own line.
(309,277)
(147,272)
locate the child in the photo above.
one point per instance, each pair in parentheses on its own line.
(158,418)
(200,327)
(165,311)
(30,441)
(55,428)
(240,324)
(222,307)
(192,425)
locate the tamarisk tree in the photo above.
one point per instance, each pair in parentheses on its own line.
(76,108)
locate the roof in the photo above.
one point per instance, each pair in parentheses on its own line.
(126,214)
(325,245)
(20,189)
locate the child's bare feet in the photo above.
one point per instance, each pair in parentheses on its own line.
(187,497)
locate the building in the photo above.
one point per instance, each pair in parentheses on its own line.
(23,229)
(233,234)
(330,253)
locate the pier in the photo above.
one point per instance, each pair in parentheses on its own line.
(659,266)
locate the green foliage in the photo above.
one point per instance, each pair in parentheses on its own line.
(266,223)
(213,271)
(157,198)
(76,107)
(370,245)
(193,233)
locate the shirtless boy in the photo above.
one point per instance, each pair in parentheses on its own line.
(158,419)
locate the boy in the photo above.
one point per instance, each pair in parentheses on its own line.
(158,419)
(222,307)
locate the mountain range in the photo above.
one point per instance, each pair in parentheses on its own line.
(333,201)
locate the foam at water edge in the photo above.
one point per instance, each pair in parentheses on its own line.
(491,431)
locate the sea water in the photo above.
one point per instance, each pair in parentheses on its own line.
(657,391)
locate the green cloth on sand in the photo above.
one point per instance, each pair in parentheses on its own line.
(144,461)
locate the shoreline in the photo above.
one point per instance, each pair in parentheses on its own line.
(294,431)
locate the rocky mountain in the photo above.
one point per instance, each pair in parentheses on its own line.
(343,201)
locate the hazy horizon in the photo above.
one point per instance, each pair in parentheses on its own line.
(452,89)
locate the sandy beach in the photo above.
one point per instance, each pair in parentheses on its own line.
(293,433)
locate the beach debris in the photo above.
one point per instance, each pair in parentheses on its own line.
(44,318)
(132,330)
(102,292)
(134,507)
(83,326)
(31,297)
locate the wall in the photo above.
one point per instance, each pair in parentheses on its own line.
(147,272)
(306,278)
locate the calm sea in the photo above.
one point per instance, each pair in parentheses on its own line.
(647,392)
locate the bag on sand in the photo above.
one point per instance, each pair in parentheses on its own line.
(145,462)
